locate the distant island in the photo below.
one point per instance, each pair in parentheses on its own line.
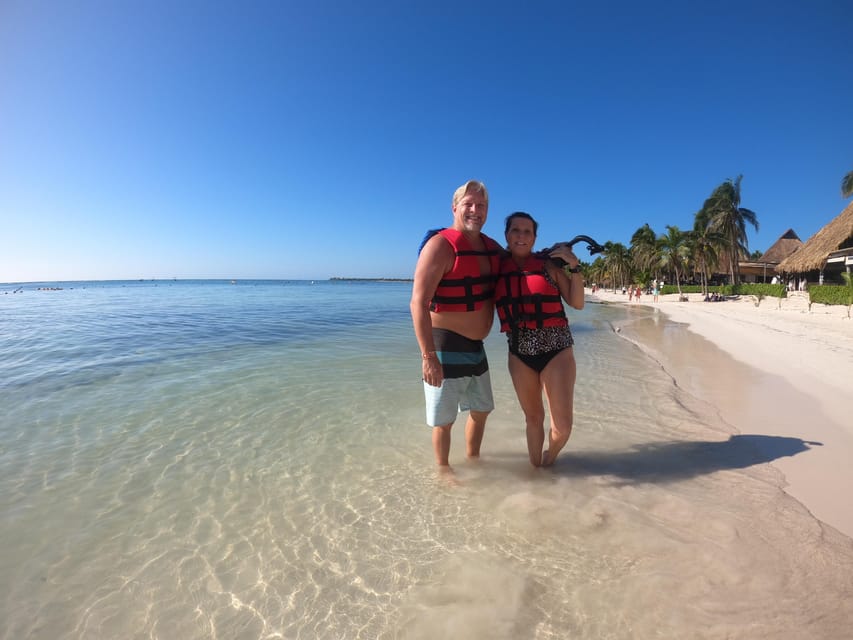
(339,278)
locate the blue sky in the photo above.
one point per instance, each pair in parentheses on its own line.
(315,139)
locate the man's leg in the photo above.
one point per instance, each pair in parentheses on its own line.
(441,444)
(475,427)
(479,403)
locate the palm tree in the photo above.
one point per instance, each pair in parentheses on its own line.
(847,185)
(617,257)
(705,248)
(644,248)
(725,215)
(674,251)
(598,271)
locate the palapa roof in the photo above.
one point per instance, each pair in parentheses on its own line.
(838,234)
(787,244)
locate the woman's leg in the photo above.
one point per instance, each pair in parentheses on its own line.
(528,388)
(558,378)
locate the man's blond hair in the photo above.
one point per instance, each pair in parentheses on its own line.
(472,185)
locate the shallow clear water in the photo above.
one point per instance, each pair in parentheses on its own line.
(207,460)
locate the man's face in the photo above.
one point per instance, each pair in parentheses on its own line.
(469,214)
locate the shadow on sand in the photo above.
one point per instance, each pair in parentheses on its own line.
(670,461)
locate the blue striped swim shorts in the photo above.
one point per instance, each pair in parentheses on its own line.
(467,385)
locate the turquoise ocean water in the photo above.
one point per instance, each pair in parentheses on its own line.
(250,460)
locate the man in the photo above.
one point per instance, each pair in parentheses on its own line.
(452,310)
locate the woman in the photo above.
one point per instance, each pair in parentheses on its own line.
(528,297)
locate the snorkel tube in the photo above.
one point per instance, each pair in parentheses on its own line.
(591,245)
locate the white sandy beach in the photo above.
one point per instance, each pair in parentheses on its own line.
(809,354)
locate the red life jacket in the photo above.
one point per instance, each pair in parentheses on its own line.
(465,287)
(525,298)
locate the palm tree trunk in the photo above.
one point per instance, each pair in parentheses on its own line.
(734,260)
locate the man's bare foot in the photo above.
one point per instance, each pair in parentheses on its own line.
(545,461)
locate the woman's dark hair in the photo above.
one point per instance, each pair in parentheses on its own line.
(520,214)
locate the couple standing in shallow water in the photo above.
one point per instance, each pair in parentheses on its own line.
(461,276)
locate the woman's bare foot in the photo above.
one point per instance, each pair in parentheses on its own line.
(447,474)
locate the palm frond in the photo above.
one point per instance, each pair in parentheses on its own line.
(847,185)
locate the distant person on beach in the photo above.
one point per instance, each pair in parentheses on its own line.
(452,310)
(655,290)
(528,297)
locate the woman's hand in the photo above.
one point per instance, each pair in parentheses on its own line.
(563,251)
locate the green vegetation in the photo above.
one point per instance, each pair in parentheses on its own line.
(833,294)
(818,294)
(829,294)
(668,289)
(748,289)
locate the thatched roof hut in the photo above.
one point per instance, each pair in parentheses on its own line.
(758,270)
(813,255)
(787,244)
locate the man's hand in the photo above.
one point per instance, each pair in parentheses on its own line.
(432,372)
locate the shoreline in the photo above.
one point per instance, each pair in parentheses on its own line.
(783,373)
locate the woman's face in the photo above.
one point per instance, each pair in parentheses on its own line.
(520,237)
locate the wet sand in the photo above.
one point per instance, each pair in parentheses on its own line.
(791,377)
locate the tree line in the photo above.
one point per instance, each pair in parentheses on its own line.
(716,243)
